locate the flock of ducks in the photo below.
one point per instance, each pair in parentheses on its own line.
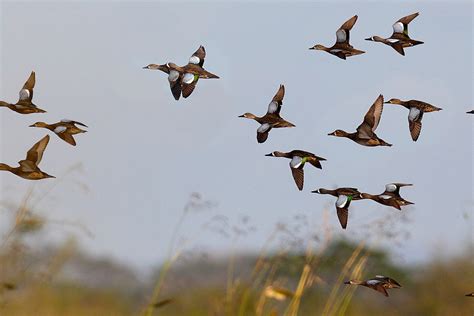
(183,81)
(29,167)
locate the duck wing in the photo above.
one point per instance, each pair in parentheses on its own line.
(188,83)
(35,154)
(379,288)
(175,78)
(198,57)
(73,122)
(372,117)
(26,93)
(343,33)
(342,207)
(68,138)
(414,122)
(262,132)
(275,105)
(298,176)
(401,26)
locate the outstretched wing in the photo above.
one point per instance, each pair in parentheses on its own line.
(188,83)
(35,154)
(198,57)
(26,93)
(414,122)
(262,132)
(275,105)
(298,176)
(73,122)
(372,117)
(401,26)
(343,33)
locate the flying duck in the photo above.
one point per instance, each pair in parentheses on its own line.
(380,284)
(399,39)
(25,103)
(298,160)
(272,118)
(28,168)
(342,48)
(65,129)
(344,198)
(183,79)
(365,134)
(417,109)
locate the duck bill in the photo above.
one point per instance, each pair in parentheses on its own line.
(242,116)
(269,155)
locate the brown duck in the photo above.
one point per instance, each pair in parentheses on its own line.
(399,39)
(342,48)
(380,284)
(298,160)
(417,109)
(344,198)
(365,134)
(28,168)
(183,79)
(65,129)
(25,103)
(272,118)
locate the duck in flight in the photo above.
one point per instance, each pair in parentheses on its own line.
(298,160)
(272,118)
(28,168)
(65,129)
(344,198)
(399,38)
(365,134)
(380,284)
(417,109)
(390,197)
(183,79)
(25,103)
(342,48)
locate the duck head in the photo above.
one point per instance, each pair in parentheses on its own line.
(39,124)
(275,154)
(163,67)
(248,115)
(394,101)
(375,39)
(318,47)
(338,133)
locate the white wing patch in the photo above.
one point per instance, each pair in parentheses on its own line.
(341,36)
(385,197)
(373,282)
(414,114)
(341,201)
(296,162)
(173,75)
(272,107)
(398,27)
(335,50)
(188,78)
(263,128)
(194,60)
(391,187)
(24,94)
(60,129)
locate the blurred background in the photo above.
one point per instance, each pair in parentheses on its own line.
(172,208)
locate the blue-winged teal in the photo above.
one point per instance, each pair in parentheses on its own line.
(272,118)
(65,129)
(183,79)
(344,198)
(399,39)
(342,48)
(25,103)
(365,134)
(28,168)
(298,160)
(380,284)
(391,196)
(417,109)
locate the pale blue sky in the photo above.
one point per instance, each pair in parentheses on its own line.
(145,153)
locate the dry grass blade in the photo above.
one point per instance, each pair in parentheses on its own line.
(278,293)
(347,266)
